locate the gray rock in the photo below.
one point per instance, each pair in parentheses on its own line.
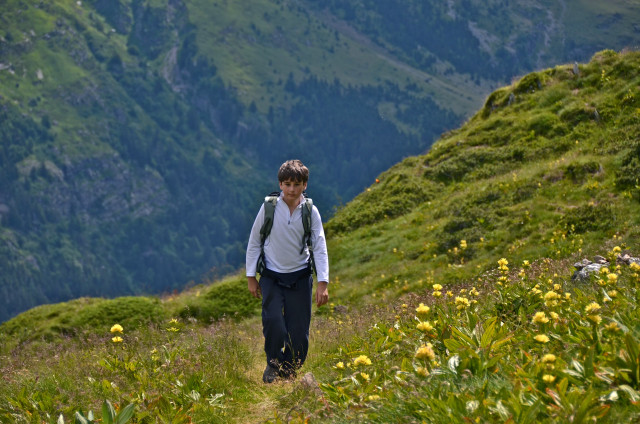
(582,275)
(309,382)
(585,268)
(626,259)
(600,260)
(582,264)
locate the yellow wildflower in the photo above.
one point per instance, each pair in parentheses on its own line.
(364,376)
(449,293)
(540,318)
(437,287)
(604,270)
(373,398)
(462,303)
(474,292)
(612,293)
(541,338)
(437,294)
(117,339)
(526,264)
(173,321)
(551,295)
(617,249)
(117,328)
(548,378)
(423,309)
(362,360)
(422,371)
(612,278)
(548,358)
(503,262)
(595,318)
(612,326)
(554,316)
(592,308)
(635,266)
(340,365)
(463,244)
(426,351)
(424,326)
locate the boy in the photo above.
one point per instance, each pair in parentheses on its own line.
(286,282)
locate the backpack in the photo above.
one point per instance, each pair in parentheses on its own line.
(269,211)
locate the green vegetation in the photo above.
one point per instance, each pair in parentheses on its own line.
(456,273)
(136,136)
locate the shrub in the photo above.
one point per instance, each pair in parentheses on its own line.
(128,311)
(229,298)
(577,172)
(589,217)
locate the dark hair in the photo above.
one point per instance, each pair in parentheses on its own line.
(293,170)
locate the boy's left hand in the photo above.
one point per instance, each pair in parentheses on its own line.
(322,293)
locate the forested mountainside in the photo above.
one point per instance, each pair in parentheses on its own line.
(138,137)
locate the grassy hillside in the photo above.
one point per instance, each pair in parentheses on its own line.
(455,269)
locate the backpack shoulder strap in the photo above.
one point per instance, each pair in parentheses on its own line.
(307,208)
(269,211)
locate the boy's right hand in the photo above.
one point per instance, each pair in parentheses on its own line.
(254,287)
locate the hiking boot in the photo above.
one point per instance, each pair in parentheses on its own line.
(270,374)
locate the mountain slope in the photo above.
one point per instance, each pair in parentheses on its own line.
(553,157)
(138,136)
(535,175)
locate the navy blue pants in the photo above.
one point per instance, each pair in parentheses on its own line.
(286,315)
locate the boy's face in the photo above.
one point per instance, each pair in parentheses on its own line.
(292,190)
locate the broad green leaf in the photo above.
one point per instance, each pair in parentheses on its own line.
(108,412)
(80,419)
(532,413)
(489,332)
(588,364)
(463,336)
(454,345)
(125,414)
(577,366)
(500,342)
(631,392)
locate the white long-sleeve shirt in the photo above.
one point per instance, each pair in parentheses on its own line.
(282,247)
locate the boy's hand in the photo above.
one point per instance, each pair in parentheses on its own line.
(254,287)
(322,293)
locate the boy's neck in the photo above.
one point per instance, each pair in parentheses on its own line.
(292,203)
